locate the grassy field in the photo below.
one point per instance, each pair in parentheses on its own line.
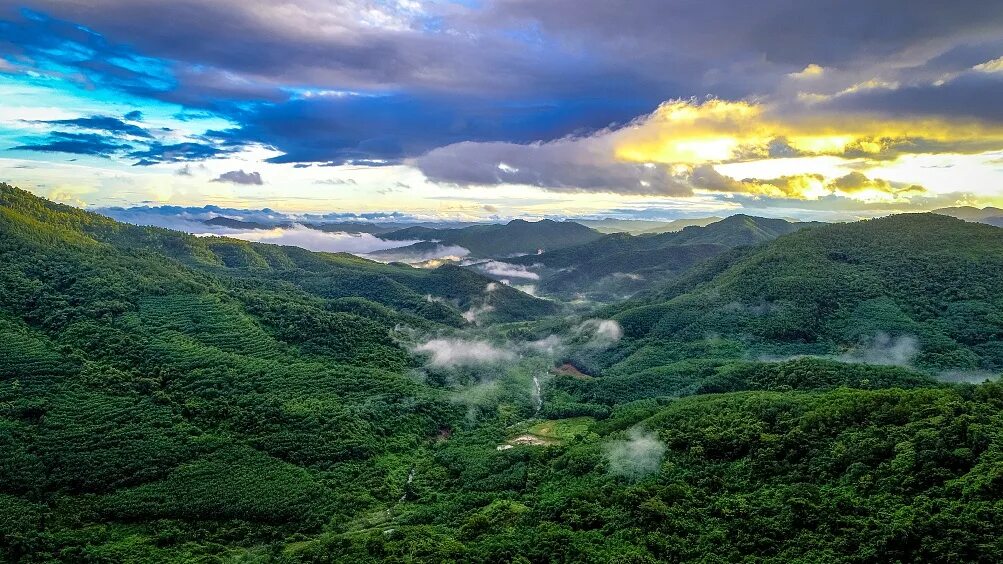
(562,429)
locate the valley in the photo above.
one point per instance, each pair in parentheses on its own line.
(750,388)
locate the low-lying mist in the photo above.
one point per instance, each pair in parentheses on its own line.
(639,455)
(487,365)
(315,240)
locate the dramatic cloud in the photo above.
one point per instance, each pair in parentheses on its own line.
(673,152)
(579,97)
(685,132)
(810,71)
(805,186)
(568,165)
(240,177)
(856,182)
(969,96)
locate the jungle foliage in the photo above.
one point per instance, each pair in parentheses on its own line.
(171,398)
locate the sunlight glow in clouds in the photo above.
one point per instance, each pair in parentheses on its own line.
(502,108)
(720,131)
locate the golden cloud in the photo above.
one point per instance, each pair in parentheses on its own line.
(854,185)
(809,71)
(995,65)
(718,131)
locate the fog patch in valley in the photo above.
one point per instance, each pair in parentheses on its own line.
(601,332)
(550,345)
(501,269)
(884,349)
(526,289)
(638,456)
(313,239)
(881,349)
(439,255)
(474,314)
(967,376)
(449,352)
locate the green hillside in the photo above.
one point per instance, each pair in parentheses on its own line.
(618,265)
(149,376)
(837,476)
(170,398)
(923,287)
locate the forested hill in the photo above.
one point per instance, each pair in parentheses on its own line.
(440,295)
(922,281)
(148,376)
(734,231)
(515,237)
(169,398)
(619,264)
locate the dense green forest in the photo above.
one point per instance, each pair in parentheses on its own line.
(804,393)
(923,284)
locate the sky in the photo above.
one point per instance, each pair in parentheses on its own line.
(488,109)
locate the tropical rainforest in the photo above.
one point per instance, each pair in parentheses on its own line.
(744,390)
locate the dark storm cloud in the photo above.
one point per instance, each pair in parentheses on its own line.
(75,143)
(523,47)
(363,129)
(825,32)
(560,166)
(971,95)
(208,46)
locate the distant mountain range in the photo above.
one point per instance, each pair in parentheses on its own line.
(619,264)
(353,227)
(513,238)
(642,226)
(989,215)
(605,226)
